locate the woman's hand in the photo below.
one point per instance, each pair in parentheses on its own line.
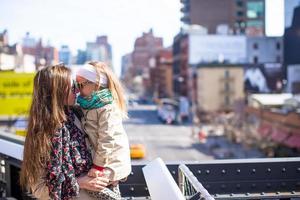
(94,184)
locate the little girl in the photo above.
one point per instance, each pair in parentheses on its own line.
(102,101)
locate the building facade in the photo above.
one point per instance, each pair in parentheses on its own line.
(100,50)
(65,54)
(44,54)
(264,50)
(162,79)
(291,53)
(81,57)
(241,16)
(219,87)
(143,58)
(12,57)
(180,65)
(289,6)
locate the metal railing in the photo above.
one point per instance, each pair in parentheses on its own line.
(268,178)
(190,186)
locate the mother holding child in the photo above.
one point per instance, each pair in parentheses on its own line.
(66,159)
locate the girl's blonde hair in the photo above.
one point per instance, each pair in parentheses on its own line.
(47,113)
(113,84)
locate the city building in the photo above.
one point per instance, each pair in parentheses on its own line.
(143,58)
(180,65)
(291,53)
(241,16)
(7,53)
(264,50)
(65,54)
(216,48)
(191,48)
(12,57)
(162,74)
(127,71)
(81,57)
(126,64)
(49,55)
(4,38)
(29,41)
(289,6)
(219,86)
(100,50)
(44,55)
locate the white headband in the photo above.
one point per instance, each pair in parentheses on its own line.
(89,72)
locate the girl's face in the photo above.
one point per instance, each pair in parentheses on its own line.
(85,86)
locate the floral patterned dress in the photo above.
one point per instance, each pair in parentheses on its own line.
(69,158)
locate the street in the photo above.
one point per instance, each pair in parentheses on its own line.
(175,142)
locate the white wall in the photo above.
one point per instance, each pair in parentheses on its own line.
(7,62)
(213,48)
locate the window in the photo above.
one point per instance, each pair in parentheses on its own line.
(255,59)
(227,100)
(278,46)
(239,3)
(227,87)
(239,13)
(226,74)
(255,23)
(278,59)
(255,9)
(255,46)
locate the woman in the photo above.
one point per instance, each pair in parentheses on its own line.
(56,157)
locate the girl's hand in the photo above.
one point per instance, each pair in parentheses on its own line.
(95,173)
(93,184)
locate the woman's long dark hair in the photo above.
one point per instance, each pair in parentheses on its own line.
(51,88)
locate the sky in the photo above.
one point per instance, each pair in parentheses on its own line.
(75,22)
(274,17)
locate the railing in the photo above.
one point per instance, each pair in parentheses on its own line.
(269,178)
(190,186)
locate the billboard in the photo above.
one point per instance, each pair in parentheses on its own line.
(15,93)
(217,48)
(264,78)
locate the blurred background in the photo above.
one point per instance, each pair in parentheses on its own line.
(204,79)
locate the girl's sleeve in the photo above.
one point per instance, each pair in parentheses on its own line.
(105,138)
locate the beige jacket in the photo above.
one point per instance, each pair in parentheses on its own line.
(110,147)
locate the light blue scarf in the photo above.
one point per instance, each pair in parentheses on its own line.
(98,99)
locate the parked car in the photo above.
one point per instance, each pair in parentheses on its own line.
(167,111)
